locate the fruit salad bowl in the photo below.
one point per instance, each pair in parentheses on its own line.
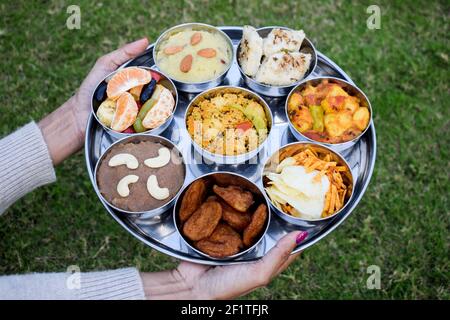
(134,100)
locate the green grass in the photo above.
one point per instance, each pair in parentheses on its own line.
(400,225)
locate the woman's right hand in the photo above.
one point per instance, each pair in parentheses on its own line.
(194,281)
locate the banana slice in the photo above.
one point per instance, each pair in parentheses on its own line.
(105,112)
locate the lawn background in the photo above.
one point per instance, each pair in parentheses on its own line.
(402,223)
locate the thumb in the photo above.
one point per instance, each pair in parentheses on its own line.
(116,58)
(279,254)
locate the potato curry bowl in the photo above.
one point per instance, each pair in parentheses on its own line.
(228,124)
(328,110)
(222,215)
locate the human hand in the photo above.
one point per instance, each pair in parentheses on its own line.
(194,281)
(64,129)
(103,66)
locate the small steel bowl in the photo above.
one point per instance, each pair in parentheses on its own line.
(195,87)
(292,149)
(277,91)
(348,87)
(223,178)
(155,131)
(223,159)
(138,138)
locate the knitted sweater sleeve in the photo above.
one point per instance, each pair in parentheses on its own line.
(25,164)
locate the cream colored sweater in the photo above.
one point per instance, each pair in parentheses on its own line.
(25,165)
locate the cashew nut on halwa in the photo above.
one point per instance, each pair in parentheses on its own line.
(161,160)
(154,189)
(123,186)
(124,158)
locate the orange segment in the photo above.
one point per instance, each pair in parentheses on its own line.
(126,112)
(126,79)
(136,92)
(162,110)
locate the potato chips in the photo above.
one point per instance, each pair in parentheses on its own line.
(297,187)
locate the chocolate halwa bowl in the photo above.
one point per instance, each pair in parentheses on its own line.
(137,175)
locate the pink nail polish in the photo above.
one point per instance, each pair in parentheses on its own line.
(301,236)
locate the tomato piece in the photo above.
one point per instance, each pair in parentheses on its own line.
(244,126)
(129,130)
(316,136)
(337,101)
(155,76)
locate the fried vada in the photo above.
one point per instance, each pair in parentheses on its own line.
(256,226)
(237,220)
(216,249)
(223,242)
(192,199)
(235,196)
(203,221)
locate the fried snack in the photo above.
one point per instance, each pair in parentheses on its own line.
(225,233)
(203,221)
(325,167)
(339,176)
(237,220)
(213,198)
(192,199)
(256,226)
(216,249)
(224,241)
(235,196)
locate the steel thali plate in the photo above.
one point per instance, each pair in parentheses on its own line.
(160,233)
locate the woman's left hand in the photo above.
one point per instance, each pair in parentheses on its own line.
(64,129)
(103,66)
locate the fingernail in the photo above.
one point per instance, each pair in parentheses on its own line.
(301,236)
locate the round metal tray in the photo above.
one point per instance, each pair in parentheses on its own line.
(160,233)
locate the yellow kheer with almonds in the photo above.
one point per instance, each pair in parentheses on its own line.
(194,55)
